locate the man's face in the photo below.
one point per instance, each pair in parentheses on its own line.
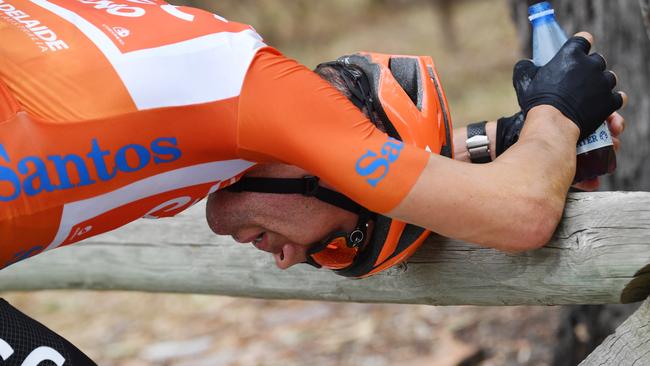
(282,224)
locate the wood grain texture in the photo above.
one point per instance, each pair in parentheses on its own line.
(599,252)
(628,346)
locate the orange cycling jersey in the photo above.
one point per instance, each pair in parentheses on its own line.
(115,110)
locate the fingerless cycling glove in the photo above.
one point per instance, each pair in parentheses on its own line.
(508,130)
(574,82)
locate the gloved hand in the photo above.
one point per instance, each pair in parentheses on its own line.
(508,130)
(574,82)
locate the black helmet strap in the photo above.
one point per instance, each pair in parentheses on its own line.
(307,186)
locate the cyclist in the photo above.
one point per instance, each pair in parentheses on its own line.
(287,226)
(108,117)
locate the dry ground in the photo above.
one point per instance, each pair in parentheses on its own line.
(133,329)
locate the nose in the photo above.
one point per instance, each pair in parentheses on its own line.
(291,254)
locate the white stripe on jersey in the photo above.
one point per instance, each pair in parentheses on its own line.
(200,70)
(80,211)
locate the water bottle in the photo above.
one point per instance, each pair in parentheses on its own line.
(596,152)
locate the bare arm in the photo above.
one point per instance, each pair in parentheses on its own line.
(513,203)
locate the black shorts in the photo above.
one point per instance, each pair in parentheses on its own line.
(24,341)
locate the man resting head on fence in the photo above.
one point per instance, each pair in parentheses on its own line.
(100,126)
(333,232)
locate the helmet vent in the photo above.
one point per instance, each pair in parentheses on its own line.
(407,73)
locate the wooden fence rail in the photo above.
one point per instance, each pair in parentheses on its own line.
(599,254)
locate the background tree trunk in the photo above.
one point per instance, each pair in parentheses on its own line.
(622,33)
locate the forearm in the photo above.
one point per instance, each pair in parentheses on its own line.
(513,203)
(544,159)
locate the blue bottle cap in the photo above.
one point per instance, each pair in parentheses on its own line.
(540,10)
(539,7)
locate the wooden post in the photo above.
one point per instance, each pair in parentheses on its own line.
(600,254)
(629,345)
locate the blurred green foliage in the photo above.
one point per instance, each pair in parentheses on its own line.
(473,42)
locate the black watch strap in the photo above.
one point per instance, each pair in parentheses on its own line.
(478,144)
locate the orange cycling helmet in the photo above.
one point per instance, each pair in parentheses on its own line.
(403,94)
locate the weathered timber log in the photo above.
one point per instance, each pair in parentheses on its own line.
(600,254)
(629,345)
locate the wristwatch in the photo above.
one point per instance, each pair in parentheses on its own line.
(478,143)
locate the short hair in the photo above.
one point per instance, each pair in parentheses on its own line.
(333,76)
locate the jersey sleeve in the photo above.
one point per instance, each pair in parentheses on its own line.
(289,114)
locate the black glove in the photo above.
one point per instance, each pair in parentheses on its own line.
(574,82)
(508,130)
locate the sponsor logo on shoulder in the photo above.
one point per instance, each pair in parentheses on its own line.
(124,8)
(118,32)
(45,38)
(127,8)
(121,31)
(375,165)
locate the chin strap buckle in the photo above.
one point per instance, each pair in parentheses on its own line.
(310,185)
(355,239)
